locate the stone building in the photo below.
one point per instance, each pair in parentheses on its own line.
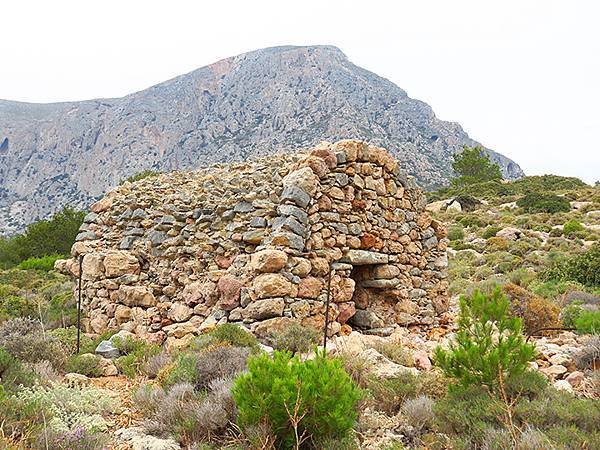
(254,242)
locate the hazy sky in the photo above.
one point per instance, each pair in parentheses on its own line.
(522,77)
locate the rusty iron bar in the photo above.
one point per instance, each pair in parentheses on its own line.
(327,311)
(79,304)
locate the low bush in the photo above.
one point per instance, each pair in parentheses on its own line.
(296,339)
(135,355)
(583,268)
(68,338)
(543,203)
(234,335)
(147,173)
(536,312)
(396,353)
(202,368)
(86,364)
(300,400)
(45,263)
(20,420)
(389,394)
(572,226)
(588,356)
(78,438)
(191,416)
(13,373)
(588,322)
(490,231)
(497,244)
(456,233)
(26,340)
(70,409)
(418,412)
(570,313)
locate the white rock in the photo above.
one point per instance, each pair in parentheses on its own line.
(139,440)
(563,385)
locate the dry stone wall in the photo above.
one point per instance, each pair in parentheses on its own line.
(171,256)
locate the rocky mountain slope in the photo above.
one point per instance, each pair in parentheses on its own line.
(266,101)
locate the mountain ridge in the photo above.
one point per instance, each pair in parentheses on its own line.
(250,105)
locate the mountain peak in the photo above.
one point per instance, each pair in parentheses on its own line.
(271,100)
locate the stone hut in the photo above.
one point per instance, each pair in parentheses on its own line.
(255,243)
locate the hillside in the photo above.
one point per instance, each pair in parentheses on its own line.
(262,102)
(546,263)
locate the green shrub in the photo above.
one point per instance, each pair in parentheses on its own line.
(135,355)
(68,338)
(572,226)
(296,338)
(234,335)
(535,202)
(45,263)
(588,322)
(86,364)
(45,237)
(490,231)
(147,173)
(468,412)
(202,368)
(26,340)
(583,268)
(456,233)
(20,420)
(388,394)
(318,393)
(476,356)
(570,313)
(13,374)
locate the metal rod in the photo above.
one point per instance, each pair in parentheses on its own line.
(327,312)
(79,304)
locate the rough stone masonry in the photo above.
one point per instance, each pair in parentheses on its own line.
(173,255)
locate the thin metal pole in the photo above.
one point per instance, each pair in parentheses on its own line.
(327,312)
(79,304)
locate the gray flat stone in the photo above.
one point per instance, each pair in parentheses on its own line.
(364,257)
(106,349)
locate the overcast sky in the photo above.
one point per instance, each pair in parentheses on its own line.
(521,76)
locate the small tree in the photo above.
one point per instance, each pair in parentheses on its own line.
(489,347)
(472,166)
(489,351)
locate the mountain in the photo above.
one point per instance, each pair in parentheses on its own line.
(271,100)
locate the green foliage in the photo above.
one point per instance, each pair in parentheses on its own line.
(43,238)
(86,364)
(233,335)
(570,313)
(535,202)
(45,263)
(583,268)
(489,347)
(141,175)
(12,373)
(472,166)
(68,338)
(456,233)
(469,412)
(135,355)
(317,392)
(588,322)
(19,419)
(296,339)
(572,226)
(26,340)
(491,231)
